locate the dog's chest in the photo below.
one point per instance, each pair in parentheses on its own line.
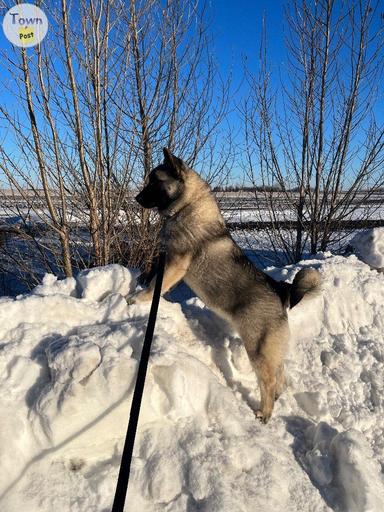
(173,234)
(203,281)
(206,290)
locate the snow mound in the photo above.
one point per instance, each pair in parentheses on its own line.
(343,463)
(96,283)
(69,353)
(369,246)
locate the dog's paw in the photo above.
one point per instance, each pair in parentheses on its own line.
(262,416)
(139,296)
(278,394)
(131,298)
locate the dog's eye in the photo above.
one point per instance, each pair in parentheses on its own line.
(150,180)
(153,179)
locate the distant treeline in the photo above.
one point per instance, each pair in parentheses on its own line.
(270,188)
(251,188)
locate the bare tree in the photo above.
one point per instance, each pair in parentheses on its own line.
(317,136)
(175,97)
(112,83)
(65,138)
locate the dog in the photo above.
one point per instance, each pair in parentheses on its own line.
(201,252)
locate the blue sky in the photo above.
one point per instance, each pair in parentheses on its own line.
(236,27)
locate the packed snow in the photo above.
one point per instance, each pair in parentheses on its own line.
(69,353)
(369,246)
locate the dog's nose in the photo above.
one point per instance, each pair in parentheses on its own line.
(138,198)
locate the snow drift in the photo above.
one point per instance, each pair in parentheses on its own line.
(369,246)
(68,356)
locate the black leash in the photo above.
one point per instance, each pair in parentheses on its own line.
(125,465)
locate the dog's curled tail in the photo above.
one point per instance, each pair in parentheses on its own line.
(306,282)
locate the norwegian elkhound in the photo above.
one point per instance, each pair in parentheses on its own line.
(200,251)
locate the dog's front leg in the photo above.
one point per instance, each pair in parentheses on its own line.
(175,270)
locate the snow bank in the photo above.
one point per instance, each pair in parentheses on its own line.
(342,463)
(68,359)
(97,283)
(369,246)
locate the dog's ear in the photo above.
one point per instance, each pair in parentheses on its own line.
(176,164)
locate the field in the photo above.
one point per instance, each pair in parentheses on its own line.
(252,209)
(252,220)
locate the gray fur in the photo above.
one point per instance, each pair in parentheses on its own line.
(201,251)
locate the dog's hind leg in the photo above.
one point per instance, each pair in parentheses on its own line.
(266,357)
(266,376)
(280,381)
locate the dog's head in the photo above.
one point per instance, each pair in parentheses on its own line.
(165,184)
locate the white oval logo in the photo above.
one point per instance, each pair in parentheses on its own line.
(25,25)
